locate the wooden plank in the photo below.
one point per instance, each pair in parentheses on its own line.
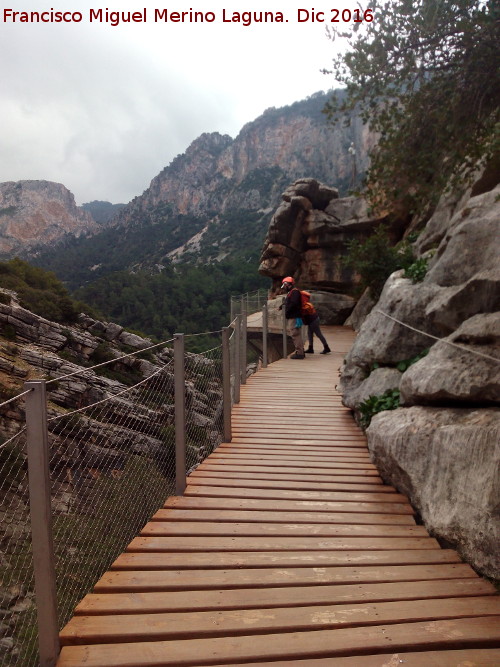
(256,504)
(270,559)
(203,473)
(287,452)
(427,635)
(196,512)
(268,543)
(455,658)
(295,440)
(192,580)
(247,483)
(217,529)
(283,463)
(321,470)
(289,596)
(182,625)
(194,489)
(348,452)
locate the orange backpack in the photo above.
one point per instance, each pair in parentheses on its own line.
(306,306)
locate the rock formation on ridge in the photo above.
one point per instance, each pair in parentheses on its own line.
(35,213)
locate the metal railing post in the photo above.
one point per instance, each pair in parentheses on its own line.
(180,414)
(237,361)
(285,346)
(264,335)
(243,342)
(226,384)
(41,522)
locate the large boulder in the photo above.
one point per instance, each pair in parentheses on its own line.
(460,369)
(382,339)
(309,235)
(471,243)
(455,304)
(378,382)
(447,462)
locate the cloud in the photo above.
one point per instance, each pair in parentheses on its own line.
(103,109)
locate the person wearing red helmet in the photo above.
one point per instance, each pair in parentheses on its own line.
(293,309)
(311,318)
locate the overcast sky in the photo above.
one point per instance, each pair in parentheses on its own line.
(102,109)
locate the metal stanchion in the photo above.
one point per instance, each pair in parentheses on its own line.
(41,522)
(226,384)
(264,335)
(243,358)
(180,414)
(237,358)
(285,346)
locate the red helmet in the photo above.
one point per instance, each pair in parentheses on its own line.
(289,280)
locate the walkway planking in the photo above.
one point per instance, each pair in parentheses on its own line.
(287,549)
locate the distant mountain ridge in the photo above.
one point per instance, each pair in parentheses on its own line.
(102,211)
(37,213)
(214,201)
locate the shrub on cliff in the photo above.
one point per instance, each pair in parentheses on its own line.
(425,74)
(375,259)
(39,291)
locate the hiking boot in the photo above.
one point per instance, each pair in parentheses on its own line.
(326,351)
(309,350)
(298,356)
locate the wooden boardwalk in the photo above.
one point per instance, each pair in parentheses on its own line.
(287,549)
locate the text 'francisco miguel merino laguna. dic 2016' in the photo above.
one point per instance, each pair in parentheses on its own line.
(116,18)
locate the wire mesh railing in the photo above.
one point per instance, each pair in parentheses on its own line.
(250,302)
(87,456)
(19,641)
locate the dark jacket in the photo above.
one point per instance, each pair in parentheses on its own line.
(293,304)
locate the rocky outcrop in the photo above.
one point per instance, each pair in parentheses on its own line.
(446,460)
(38,213)
(463,368)
(132,421)
(441,446)
(308,238)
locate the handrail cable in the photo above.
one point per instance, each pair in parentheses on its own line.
(109,398)
(110,361)
(14,398)
(4,444)
(203,333)
(441,340)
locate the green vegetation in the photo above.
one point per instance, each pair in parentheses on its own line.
(425,74)
(389,400)
(406,363)
(39,291)
(375,259)
(188,299)
(147,241)
(416,271)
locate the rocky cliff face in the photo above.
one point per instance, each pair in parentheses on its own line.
(214,200)
(308,237)
(38,213)
(441,444)
(218,175)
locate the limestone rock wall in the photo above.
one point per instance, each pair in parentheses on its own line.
(35,213)
(307,239)
(441,446)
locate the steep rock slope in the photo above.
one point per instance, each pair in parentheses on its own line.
(441,446)
(37,213)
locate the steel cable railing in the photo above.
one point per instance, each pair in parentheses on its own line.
(79,482)
(19,641)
